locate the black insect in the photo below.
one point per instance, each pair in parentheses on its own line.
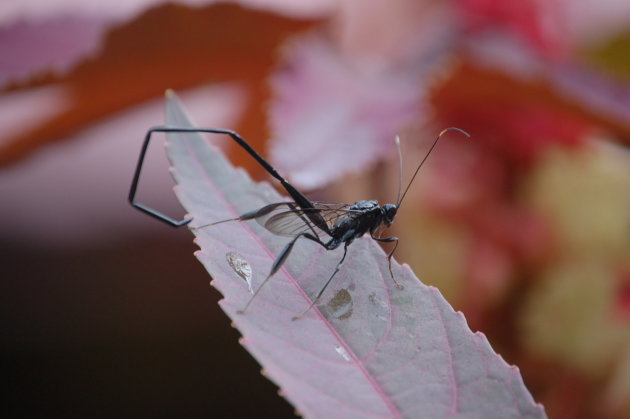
(329,225)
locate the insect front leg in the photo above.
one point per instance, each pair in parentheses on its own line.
(277,264)
(390,255)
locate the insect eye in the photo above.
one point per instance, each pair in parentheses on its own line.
(390,211)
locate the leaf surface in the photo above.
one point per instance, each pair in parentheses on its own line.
(368,350)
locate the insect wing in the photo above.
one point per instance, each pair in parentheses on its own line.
(293,221)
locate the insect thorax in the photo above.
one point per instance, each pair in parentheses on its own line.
(366,216)
(364,205)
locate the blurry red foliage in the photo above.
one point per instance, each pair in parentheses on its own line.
(538,23)
(167,47)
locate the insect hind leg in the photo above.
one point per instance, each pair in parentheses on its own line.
(251,215)
(136,179)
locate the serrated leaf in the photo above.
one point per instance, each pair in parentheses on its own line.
(369,349)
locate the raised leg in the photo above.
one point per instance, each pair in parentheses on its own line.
(390,255)
(134,187)
(321,292)
(277,264)
(301,200)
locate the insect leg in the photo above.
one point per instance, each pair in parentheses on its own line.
(145,145)
(390,255)
(134,188)
(299,198)
(251,215)
(319,294)
(277,264)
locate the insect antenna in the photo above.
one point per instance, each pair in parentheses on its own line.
(400,171)
(400,198)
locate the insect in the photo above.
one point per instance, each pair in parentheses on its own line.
(328,224)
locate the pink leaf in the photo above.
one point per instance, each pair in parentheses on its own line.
(342,113)
(368,349)
(54,45)
(37,37)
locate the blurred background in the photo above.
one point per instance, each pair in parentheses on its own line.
(525,227)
